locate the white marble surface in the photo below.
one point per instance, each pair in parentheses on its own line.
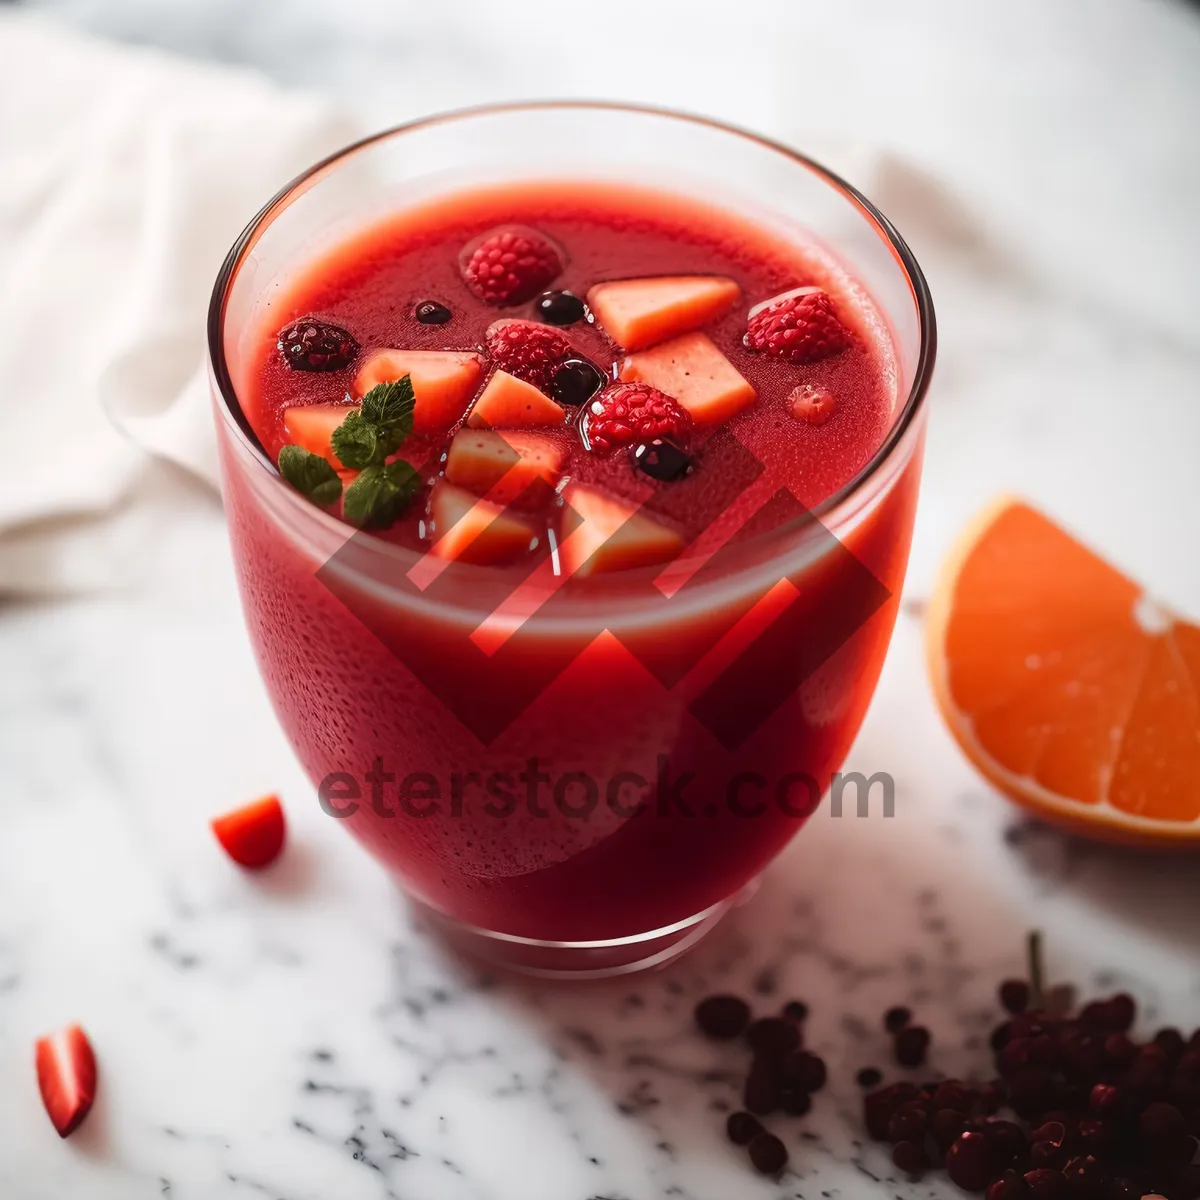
(293,1036)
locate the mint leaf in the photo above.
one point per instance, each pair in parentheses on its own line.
(377,497)
(310,474)
(356,442)
(389,407)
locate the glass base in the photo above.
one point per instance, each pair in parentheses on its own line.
(580,960)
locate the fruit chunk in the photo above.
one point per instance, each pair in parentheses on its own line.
(510,403)
(502,465)
(472,530)
(626,413)
(311,427)
(605,534)
(1064,685)
(697,374)
(510,265)
(252,836)
(529,351)
(798,327)
(639,312)
(443,382)
(66,1073)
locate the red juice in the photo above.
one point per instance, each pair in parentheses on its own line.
(535,789)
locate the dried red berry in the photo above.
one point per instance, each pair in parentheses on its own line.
(805,1070)
(313,345)
(761,1092)
(772,1037)
(911,1045)
(1045,1184)
(896,1018)
(1010,1186)
(722,1017)
(768,1154)
(909,1157)
(970,1161)
(794,1101)
(1014,995)
(742,1127)
(909,1123)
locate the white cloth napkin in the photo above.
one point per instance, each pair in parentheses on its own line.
(125,175)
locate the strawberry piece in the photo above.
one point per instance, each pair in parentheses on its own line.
(695,374)
(252,836)
(510,265)
(625,413)
(66,1072)
(637,313)
(798,327)
(509,403)
(606,534)
(530,351)
(443,382)
(503,466)
(468,529)
(311,427)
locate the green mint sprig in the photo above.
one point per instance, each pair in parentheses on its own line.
(363,442)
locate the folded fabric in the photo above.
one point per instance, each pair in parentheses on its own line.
(127,174)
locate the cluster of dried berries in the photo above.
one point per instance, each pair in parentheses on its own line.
(782,1078)
(1099,1116)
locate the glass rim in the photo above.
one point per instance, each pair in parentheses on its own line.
(919,287)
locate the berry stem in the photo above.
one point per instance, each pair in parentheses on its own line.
(1036,969)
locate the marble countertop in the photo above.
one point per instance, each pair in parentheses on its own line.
(296,1036)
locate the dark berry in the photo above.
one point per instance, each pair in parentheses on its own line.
(742,1127)
(1171,1042)
(430,312)
(559,308)
(879,1106)
(990,1098)
(1046,1184)
(869,1077)
(312,345)
(1161,1122)
(768,1154)
(1051,1133)
(761,1092)
(969,1161)
(896,1018)
(796,1102)
(909,1123)
(1104,1098)
(664,461)
(952,1094)
(909,1157)
(1014,995)
(1122,1010)
(1086,1176)
(796,1010)
(722,1017)
(575,382)
(1008,1140)
(1010,1186)
(945,1126)
(912,1044)
(773,1037)
(1000,1036)
(803,1069)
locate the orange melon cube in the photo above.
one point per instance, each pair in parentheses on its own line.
(605,534)
(692,370)
(502,465)
(311,426)
(469,529)
(510,403)
(443,382)
(640,312)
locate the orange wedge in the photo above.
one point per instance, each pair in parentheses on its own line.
(1065,685)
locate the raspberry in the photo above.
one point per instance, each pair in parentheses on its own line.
(510,265)
(312,345)
(529,351)
(798,328)
(632,412)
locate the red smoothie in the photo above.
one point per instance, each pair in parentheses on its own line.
(605,381)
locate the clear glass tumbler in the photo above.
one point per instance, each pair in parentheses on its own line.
(598,861)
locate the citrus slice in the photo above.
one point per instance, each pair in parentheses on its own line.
(1065,684)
